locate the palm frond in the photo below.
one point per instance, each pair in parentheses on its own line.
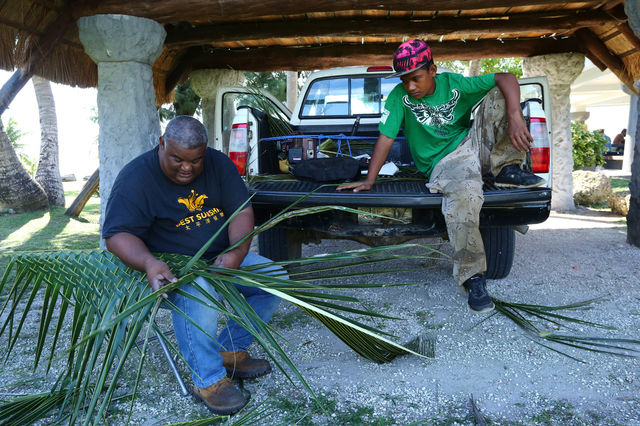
(111,304)
(256,415)
(27,409)
(535,319)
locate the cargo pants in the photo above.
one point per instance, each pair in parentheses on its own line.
(458,176)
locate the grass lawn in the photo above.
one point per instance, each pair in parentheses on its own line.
(51,230)
(619,185)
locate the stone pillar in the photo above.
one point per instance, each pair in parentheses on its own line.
(125,48)
(580,116)
(632,9)
(292,89)
(561,70)
(206,83)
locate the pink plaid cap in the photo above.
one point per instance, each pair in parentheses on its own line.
(410,56)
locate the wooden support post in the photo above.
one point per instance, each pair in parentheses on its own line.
(87,191)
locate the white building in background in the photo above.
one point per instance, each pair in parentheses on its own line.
(601,101)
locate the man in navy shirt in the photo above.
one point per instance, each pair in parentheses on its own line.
(173,199)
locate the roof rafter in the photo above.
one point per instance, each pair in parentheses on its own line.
(592,44)
(528,22)
(198,10)
(307,58)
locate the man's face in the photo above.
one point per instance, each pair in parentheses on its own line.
(420,83)
(181,165)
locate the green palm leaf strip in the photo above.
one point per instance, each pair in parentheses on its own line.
(111,305)
(529,316)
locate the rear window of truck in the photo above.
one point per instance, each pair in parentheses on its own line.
(343,97)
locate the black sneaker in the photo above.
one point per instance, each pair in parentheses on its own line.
(514,177)
(479,300)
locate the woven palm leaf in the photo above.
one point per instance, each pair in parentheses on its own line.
(112,304)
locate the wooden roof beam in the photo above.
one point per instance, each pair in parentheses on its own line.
(183,68)
(310,58)
(589,42)
(626,30)
(165,11)
(180,36)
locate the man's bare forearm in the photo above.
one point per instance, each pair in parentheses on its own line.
(130,249)
(241,225)
(135,254)
(378,157)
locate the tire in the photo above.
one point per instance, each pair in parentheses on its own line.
(499,246)
(275,244)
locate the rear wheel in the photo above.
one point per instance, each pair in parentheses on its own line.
(499,247)
(277,244)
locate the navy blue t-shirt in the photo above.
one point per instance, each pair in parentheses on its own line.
(175,218)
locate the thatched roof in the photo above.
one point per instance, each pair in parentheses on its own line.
(261,35)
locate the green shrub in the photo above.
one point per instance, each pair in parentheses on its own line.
(588,147)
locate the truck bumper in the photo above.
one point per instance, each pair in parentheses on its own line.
(501,207)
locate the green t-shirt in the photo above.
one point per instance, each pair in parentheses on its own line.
(436,124)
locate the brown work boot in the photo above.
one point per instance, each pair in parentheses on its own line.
(222,397)
(240,365)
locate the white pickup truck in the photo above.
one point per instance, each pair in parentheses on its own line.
(343,106)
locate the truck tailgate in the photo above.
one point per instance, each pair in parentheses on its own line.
(387,194)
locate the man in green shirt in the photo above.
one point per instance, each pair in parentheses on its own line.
(435,113)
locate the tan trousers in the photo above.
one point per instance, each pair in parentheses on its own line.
(458,176)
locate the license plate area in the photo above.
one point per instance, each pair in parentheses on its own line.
(401,215)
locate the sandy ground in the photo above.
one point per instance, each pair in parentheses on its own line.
(513,380)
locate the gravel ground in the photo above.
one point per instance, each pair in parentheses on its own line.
(511,379)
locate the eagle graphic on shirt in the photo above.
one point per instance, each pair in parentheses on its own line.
(193,202)
(437,115)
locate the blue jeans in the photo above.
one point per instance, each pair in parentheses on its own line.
(200,351)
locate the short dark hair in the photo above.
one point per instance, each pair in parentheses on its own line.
(186,131)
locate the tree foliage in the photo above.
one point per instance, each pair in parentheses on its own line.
(588,147)
(15,133)
(185,102)
(487,66)
(274,82)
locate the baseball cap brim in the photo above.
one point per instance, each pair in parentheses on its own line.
(400,73)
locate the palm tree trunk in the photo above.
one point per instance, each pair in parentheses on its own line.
(475,66)
(18,190)
(48,172)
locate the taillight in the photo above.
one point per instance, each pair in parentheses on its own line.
(379,68)
(540,154)
(238,145)
(540,160)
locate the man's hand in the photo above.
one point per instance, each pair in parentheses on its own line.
(135,254)
(519,134)
(379,156)
(158,273)
(356,186)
